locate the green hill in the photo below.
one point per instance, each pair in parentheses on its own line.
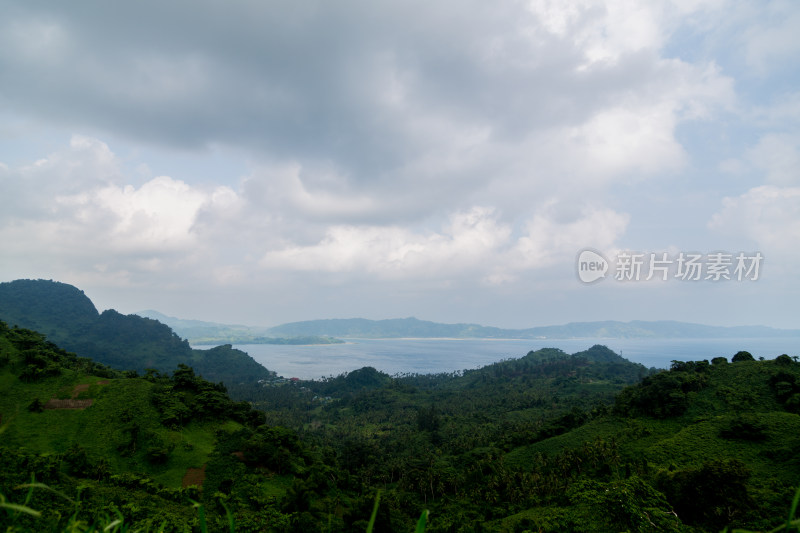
(720,442)
(126,342)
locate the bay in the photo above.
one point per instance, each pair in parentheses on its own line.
(427,356)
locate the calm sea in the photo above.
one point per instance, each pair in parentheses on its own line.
(425,356)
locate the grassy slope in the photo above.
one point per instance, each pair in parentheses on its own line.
(99,428)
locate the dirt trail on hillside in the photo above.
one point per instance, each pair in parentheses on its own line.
(54,403)
(73,402)
(194,476)
(79,389)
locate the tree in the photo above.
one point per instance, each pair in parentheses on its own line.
(428,419)
(711,496)
(742,356)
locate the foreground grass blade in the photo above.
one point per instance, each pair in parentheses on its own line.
(36,485)
(423,520)
(201,514)
(374,512)
(793,510)
(19,508)
(229,514)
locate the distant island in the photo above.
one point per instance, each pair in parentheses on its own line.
(610,329)
(296,341)
(330,331)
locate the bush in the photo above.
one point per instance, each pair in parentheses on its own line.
(36,406)
(793,403)
(77,461)
(157,455)
(745,427)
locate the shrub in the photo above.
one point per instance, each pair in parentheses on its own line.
(745,427)
(36,406)
(157,455)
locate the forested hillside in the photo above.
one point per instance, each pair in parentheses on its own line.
(546,442)
(125,342)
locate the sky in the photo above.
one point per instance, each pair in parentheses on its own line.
(262,162)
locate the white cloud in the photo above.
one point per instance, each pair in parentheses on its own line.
(394,252)
(473,243)
(75,205)
(548,240)
(767,215)
(158,215)
(620,140)
(606,30)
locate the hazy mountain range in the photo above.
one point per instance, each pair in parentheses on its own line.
(415,328)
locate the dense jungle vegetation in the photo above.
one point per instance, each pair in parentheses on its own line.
(547,442)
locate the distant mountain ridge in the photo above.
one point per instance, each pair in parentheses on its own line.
(415,328)
(412,327)
(198,332)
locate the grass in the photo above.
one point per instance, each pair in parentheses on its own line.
(117,523)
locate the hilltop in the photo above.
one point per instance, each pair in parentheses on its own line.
(69,319)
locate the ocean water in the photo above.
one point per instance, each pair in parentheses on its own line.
(427,356)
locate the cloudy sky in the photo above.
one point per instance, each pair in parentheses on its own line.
(261,162)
